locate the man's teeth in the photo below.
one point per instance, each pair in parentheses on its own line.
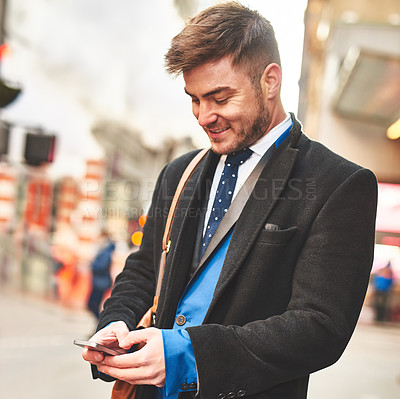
(218,131)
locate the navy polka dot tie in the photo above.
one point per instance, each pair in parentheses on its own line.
(225,190)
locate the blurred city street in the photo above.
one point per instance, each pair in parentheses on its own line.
(38,359)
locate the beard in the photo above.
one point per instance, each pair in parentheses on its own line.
(251,132)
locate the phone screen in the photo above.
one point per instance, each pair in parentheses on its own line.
(98,347)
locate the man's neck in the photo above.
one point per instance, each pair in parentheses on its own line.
(277,116)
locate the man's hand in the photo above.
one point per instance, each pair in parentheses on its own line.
(146,366)
(109,336)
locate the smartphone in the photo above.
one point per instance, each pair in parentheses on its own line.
(98,347)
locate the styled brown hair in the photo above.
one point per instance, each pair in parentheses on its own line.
(228,29)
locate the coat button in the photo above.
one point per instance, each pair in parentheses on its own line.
(221,396)
(241,393)
(231,395)
(185,386)
(193,385)
(180,320)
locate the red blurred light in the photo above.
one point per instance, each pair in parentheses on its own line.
(132,226)
(4,50)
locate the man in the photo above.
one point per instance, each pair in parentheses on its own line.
(253,311)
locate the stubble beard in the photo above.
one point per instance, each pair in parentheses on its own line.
(252,133)
(256,130)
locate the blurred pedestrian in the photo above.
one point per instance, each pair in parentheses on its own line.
(382,282)
(101,276)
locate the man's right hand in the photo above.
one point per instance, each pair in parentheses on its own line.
(109,336)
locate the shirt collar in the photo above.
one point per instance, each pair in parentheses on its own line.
(265,142)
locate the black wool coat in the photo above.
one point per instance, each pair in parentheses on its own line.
(287,299)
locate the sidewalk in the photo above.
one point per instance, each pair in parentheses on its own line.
(368,369)
(38,359)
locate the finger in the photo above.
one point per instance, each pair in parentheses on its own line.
(104,332)
(92,356)
(117,327)
(137,375)
(108,336)
(135,337)
(121,332)
(128,360)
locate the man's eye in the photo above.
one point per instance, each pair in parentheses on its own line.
(223,101)
(195,100)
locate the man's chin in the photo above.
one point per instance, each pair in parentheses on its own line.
(225,149)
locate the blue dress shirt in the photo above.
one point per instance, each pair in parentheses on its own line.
(180,365)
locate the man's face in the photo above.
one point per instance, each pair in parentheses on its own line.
(227,106)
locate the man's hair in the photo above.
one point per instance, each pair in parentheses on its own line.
(228,29)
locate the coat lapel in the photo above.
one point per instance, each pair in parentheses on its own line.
(235,209)
(272,181)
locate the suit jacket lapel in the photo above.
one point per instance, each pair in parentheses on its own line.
(272,181)
(235,208)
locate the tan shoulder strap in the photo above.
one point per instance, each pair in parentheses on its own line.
(187,174)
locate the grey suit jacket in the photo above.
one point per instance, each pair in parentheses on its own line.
(293,281)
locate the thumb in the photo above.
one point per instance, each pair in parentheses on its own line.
(133,338)
(113,333)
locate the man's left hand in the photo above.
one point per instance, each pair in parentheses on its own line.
(145,366)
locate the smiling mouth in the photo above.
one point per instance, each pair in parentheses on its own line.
(217,132)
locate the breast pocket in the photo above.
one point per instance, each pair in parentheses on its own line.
(277,237)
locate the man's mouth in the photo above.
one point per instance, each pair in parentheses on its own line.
(213,133)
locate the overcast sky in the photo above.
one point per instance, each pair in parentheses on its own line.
(81,61)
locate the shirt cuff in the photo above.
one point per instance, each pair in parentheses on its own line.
(180,364)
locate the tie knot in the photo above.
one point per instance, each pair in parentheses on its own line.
(238,157)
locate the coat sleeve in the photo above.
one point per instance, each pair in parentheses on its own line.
(328,288)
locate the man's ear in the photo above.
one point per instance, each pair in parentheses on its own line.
(271,81)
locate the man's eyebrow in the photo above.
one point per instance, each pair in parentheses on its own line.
(217,90)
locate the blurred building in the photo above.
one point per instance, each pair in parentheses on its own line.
(350,80)
(350,101)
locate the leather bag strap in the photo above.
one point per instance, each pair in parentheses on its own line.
(187,174)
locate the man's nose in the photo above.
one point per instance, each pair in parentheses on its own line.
(206,115)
